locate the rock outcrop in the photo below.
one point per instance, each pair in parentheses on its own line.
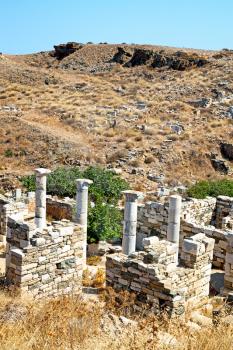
(63,50)
(177,61)
(121,56)
(227,150)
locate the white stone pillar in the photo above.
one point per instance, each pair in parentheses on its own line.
(18,194)
(40,209)
(174,212)
(82,208)
(130,221)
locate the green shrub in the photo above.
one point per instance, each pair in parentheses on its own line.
(104,220)
(8,153)
(203,189)
(106,186)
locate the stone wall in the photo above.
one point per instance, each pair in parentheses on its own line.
(8,208)
(211,216)
(43,263)
(228,277)
(60,209)
(153,275)
(220,236)
(224,208)
(153,216)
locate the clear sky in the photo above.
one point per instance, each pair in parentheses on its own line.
(36,25)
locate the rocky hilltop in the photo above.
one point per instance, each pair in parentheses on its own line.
(163,114)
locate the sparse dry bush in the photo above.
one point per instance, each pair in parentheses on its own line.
(135,163)
(138,138)
(149,160)
(116,156)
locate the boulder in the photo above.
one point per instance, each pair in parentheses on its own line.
(219,165)
(227,149)
(230,111)
(201,103)
(200,319)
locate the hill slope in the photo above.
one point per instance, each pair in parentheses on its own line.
(148,110)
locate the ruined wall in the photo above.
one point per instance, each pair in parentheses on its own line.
(228,277)
(44,263)
(220,236)
(8,208)
(224,207)
(196,216)
(153,216)
(157,281)
(59,209)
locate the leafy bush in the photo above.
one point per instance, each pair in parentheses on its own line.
(203,189)
(107,186)
(104,220)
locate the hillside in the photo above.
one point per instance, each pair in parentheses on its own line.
(147,110)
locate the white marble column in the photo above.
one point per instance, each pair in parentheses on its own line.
(40,209)
(130,221)
(82,208)
(174,212)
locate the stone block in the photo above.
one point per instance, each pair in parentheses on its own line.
(193,248)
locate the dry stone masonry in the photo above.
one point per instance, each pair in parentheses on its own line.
(167,248)
(207,215)
(45,259)
(228,277)
(156,279)
(45,262)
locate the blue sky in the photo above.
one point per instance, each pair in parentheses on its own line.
(36,25)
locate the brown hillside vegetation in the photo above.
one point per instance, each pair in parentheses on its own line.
(144,109)
(75,324)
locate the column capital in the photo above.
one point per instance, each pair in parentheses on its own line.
(42,171)
(132,196)
(83,182)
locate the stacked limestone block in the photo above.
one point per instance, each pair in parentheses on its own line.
(220,236)
(60,209)
(200,211)
(224,208)
(158,283)
(153,216)
(44,262)
(7,209)
(152,221)
(228,277)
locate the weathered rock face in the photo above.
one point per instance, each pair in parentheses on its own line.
(121,56)
(177,61)
(227,150)
(219,165)
(64,50)
(140,57)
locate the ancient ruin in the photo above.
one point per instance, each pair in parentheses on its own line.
(168,249)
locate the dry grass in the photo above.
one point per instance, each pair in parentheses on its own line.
(85,113)
(70,323)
